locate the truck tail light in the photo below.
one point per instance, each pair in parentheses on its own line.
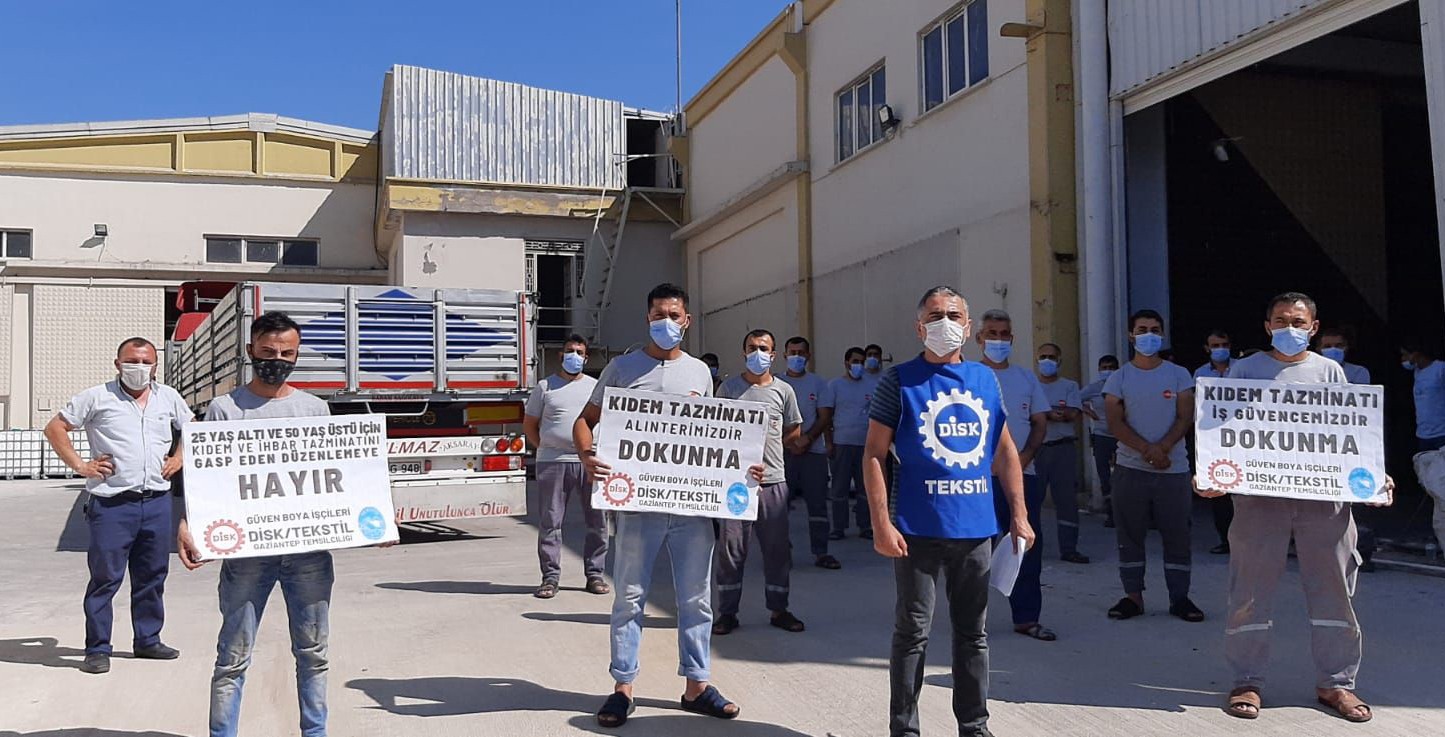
(501,446)
(426,466)
(496,463)
(518,444)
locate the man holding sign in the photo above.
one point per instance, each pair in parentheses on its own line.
(662,368)
(1322,527)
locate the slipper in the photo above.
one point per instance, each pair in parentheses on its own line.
(1038,632)
(597,586)
(829,562)
(1243,703)
(710,703)
(1186,610)
(786,621)
(615,710)
(547,590)
(1126,609)
(725,625)
(1344,702)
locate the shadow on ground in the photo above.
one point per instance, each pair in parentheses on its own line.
(88,732)
(446,696)
(482,588)
(602,618)
(44,651)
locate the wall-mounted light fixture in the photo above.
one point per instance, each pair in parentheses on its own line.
(101,230)
(887,119)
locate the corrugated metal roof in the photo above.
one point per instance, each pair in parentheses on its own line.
(266,122)
(446,126)
(1150,38)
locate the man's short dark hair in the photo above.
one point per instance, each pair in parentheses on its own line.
(946,291)
(1145,314)
(1336,332)
(873,347)
(709,358)
(1110,358)
(760,333)
(799,340)
(137,342)
(1054,346)
(1217,333)
(1421,344)
(273,322)
(667,291)
(848,354)
(575,339)
(1289,298)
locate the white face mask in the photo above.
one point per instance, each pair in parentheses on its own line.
(943,337)
(135,376)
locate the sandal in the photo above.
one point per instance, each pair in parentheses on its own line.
(1345,702)
(1037,631)
(1126,609)
(829,562)
(1186,610)
(786,621)
(597,586)
(547,590)
(1243,703)
(615,710)
(711,703)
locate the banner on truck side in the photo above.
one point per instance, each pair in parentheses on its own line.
(680,455)
(1298,441)
(287,485)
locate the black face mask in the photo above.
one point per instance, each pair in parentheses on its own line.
(273,371)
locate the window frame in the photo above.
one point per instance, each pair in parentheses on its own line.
(6,233)
(867,81)
(282,244)
(959,12)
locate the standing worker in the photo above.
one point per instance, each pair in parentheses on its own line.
(955,458)
(852,393)
(757,384)
(1150,404)
(1324,534)
(129,422)
(1422,360)
(551,411)
(1335,345)
(1026,414)
(1100,439)
(1219,347)
(807,459)
(1058,459)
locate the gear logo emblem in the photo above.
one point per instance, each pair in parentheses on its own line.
(1224,474)
(617,489)
(957,418)
(223,537)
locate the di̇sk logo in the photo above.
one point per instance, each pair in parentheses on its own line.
(617,489)
(1225,474)
(224,537)
(1168,393)
(954,427)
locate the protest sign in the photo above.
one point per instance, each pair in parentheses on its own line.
(287,485)
(681,455)
(1298,441)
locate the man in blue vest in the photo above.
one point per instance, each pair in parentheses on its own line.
(945,417)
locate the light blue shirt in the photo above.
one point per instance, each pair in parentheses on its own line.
(1023,397)
(136,439)
(851,398)
(1430,401)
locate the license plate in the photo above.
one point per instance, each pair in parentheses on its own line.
(406,468)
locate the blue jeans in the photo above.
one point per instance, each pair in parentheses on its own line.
(246,583)
(1027,599)
(641,536)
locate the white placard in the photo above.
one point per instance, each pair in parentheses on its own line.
(287,485)
(680,455)
(1298,441)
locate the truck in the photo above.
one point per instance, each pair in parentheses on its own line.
(449,368)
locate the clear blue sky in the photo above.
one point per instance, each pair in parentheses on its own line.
(92,60)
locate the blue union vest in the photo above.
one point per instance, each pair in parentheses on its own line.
(952,419)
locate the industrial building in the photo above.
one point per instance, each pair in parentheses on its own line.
(468,183)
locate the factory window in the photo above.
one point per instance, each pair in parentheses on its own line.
(858,104)
(14,244)
(232,250)
(954,52)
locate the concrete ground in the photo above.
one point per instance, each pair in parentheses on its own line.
(441,636)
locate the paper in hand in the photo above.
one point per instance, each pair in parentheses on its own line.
(1008,556)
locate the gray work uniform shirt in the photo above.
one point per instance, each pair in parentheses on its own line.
(1314,369)
(851,399)
(556,402)
(244,404)
(1093,395)
(136,438)
(814,393)
(1023,397)
(783,415)
(1061,393)
(1151,406)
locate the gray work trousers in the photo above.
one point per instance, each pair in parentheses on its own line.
(1324,542)
(557,485)
(1057,467)
(808,474)
(964,564)
(1141,496)
(847,470)
(734,538)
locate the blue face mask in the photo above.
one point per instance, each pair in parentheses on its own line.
(1290,341)
(1148,344)
(1219,355)
(759,362)
(665,333)
(712,370)
(797,364)
(855,370)
(572,363)
(1104,374)
(1407,365)
(1048,367)
(998,351)
(1334,354)
(871,363)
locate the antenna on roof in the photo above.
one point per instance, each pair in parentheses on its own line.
(679,127)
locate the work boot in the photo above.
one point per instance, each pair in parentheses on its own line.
(157,651)
(96,663)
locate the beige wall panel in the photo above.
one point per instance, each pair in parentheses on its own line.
(230,152)
(7,323)
(70,353)
(749,135)
(149,154)
(296,155)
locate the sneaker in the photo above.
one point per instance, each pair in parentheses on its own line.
(157,651)
(725,624)
(96,663)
